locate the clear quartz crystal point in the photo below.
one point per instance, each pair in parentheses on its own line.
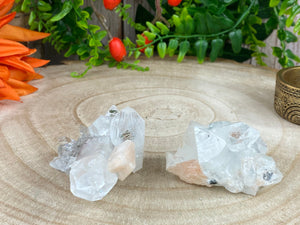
(98,157)
(90,179)
(229,154)
(129,125)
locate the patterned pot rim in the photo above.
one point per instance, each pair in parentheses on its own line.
(287,94)
(290,77)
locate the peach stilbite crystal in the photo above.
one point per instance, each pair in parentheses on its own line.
(190,172)
(122,159)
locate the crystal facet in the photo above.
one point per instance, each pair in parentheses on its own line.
(129,125)
(229,154)
(111,148)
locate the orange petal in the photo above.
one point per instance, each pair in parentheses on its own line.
(8,48)
(4,73)
(23,75)
(5,6)
(6,19)
(20,34)
(15,61)
(34,62)
(2,84)
(8,92)
(21,88)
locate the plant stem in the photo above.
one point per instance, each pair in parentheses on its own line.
(101,19)
(158,14)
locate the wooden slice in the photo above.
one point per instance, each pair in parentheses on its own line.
(167,97)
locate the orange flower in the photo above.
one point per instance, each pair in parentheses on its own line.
(16,67)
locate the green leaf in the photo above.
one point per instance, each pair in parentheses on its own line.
(294,13)
(149,35)
(163,28)
(100,35)
(126,6)
(291,55)
(284,5)
(183,49)
(252,19)
(216,47)
(34,25)
(282,21)
(153,28)
(283,61)
(162,49)
(216,24)
(140,43)
(297,26)
(82,24)
(81,51)
(40,26)
(137,54)
(201,47)
(149,51)
(92,42)
(173,45)
(24,6)
(43,6)
(290,63)
(200,24)
(140,38)
(176,20)
(32,17)
(78,3)
(128,43)
(45,16)
(271,24)
(277,52)
(84,15)
(274,3)
(236,39)
(290,37)
(281,34)
(179,26)
(189,25)
(93,28)
(67,7)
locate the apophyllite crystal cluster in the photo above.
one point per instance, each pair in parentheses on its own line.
(108,150)
(226,154)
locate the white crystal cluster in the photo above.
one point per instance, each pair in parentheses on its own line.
(226,154)
(108,150)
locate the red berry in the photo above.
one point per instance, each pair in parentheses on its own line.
(147,41)
(111,4)
(117,49)
(174,2)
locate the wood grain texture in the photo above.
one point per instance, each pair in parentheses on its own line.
(167,97)
(114,22)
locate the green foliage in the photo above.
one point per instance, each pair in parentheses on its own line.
(214,25)
(196,27)
(286,11)
(122,11)
(71,30)
(205,25)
